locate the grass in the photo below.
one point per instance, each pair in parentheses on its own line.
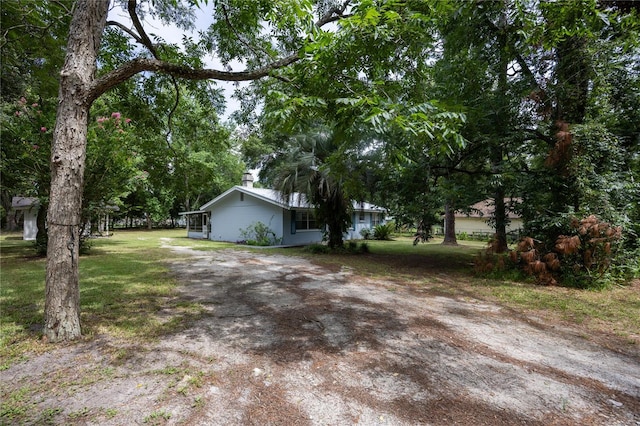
(124,279)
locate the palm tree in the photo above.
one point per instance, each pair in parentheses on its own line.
(307,166)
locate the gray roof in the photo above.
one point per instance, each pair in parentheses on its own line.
(22,203)
(296,200)
(485,208)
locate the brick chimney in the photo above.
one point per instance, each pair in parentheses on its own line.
(247,180)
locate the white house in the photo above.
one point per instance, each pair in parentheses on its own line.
(29,206)
(293,222)
(475,222)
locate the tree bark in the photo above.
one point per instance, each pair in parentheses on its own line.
(500,220)
(499,214)
(449,225)
(62,295)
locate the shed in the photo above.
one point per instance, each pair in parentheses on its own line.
(29,207)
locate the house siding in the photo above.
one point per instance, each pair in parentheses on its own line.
(242,214)
(30,231)
(358,225)
(479,224)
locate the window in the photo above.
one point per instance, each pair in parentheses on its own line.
(361,217)
(195,222)
(376,219)
(242,196)
(306,220)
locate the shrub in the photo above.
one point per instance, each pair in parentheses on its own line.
(317,249)
(259,234)
(365,233)
(383,231)
(580,258)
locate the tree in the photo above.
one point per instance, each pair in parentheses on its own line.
(307,166)
(588,150)
(81,85)
(32,46)
(24,159)
(485,76)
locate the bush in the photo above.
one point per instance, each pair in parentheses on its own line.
(365,233)
(259,234)
(383,231)
(317,249)
(581,258)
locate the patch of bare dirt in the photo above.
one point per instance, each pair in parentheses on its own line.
(282,341)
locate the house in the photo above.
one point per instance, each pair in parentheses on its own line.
(29,207)
(476,221)
(293,221)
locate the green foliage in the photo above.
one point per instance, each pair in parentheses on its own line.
(311,164)
(366,233)
(383,231)
(33,37)
(259,234)
(317,249)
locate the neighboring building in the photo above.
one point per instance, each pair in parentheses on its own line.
(475,222)
(29,206)
(293,222)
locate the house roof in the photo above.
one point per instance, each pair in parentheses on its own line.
(21,203)
(485,208)
(296,200)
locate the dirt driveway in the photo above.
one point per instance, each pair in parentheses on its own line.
(283,341)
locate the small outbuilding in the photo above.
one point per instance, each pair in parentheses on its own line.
(29,207)
(293,222)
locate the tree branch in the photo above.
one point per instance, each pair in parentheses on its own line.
(136,66)
(539,135)
(333,14)
(144,38)
(126,30)
(139,65)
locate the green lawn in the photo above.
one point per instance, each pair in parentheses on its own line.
(121,280)
(124,278)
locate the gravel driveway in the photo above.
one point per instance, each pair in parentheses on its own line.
(283,341)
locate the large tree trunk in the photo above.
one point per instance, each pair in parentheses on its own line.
(500,221)
(449,225)
(62,302)
(502,125)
